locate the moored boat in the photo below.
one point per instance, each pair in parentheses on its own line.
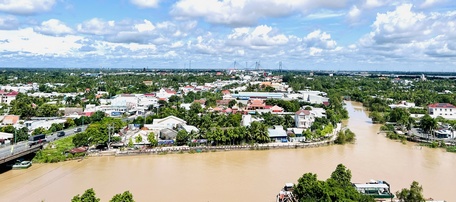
(286,194)
(22,165)
(378,189)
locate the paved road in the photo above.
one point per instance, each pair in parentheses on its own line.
(21,146)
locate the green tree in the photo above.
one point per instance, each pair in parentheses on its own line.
(130,143)
(427,123)
(88,196)
(337,188)
(47,110)
(138,138)
(124,197)
(69,123)
(151,138)
(414,194)
(232,103)
(182,137)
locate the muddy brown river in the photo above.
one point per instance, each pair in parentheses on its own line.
(237,175)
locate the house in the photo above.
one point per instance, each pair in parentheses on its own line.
(168,134)
(148,83)
(276,109)
(304,119)
(169,122)
(165,93)
(247,119)
(256,104)
(187,89)
(68,111)
(143,134)
(7,97)
(222,102)
(445,110)
(402,104)
(10,120)
(188,128)
(277,133)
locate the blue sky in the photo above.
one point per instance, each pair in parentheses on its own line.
(397,35)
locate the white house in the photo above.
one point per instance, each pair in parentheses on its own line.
(165,93)
(445,110)
(247,119)
(304,119)
(402,104)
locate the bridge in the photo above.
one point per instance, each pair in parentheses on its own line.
(15,151)
(18,153)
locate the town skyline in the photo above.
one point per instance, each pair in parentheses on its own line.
(358,35)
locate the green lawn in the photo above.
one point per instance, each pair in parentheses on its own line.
(56,151)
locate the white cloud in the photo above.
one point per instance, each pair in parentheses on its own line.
(374,3)
(354,13)
(319,39)
(403,33)
(8,22)
(97,26)
(53,27)
(26,40)
(145,3)
(246,12)
(260,36)
(147,26)
(26,7)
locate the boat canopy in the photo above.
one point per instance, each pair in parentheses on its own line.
(371,186)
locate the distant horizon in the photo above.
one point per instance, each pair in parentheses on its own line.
(356,35)
(148,69)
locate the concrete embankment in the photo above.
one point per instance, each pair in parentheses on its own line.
(186,149)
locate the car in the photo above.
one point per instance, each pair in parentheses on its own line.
(60,134)
(77,130)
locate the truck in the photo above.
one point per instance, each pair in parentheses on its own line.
(36,139)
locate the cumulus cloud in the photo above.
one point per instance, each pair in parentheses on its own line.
(354,13)
(145,3)
(53,27)
(246,12)
(403,33)
(26,7)
(8,22)
(27,40)
(260,36)
(128,31)
(319,39)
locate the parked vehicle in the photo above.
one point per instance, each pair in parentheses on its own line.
(60,134)
(37,139)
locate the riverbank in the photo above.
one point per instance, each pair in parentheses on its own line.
(202,149)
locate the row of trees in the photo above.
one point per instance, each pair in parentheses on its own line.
(90,196)
(257,132)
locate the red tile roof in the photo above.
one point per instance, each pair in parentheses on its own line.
(12,93)
(306,112)
(441,105)
(169,91)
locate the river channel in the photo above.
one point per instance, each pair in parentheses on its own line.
(237,175)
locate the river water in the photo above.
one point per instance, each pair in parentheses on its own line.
(237,175)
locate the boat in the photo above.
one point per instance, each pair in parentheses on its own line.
(378,189)
(286,194)
(22,164)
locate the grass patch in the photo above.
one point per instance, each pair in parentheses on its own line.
(451,149)
(56,151)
